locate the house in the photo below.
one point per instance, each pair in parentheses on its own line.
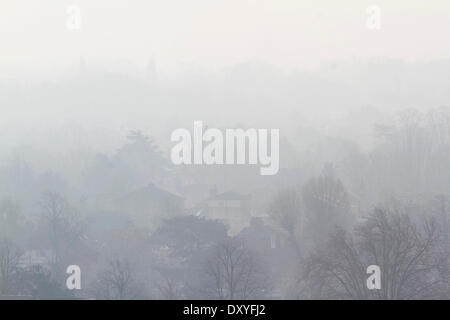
(262,237)
(149,205)
(231,208)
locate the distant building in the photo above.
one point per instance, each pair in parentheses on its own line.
(232,208)
(149,205)
(194,193)
(262,237)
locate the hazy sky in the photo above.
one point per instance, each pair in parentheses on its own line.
(217,33)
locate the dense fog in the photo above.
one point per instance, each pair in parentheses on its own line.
(87,180)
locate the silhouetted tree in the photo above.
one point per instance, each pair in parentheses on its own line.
(179,245)
(234,272)
(36,282)
(287,213)
(61,225)
(326,205)
(117,282)
(10,256)
(412,262)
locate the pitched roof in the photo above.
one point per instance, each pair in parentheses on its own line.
(151,192)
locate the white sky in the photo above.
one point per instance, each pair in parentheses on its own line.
(217,33)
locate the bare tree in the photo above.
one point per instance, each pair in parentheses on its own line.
(9,263)
(234,272)
(286,212)
(11,220)
(327,205)
(61,224)
(168,287)
(334,271)
(116,282)
(409,254)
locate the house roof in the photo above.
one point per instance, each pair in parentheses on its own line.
(151,192)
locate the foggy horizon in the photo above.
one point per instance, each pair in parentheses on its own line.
(225,150)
